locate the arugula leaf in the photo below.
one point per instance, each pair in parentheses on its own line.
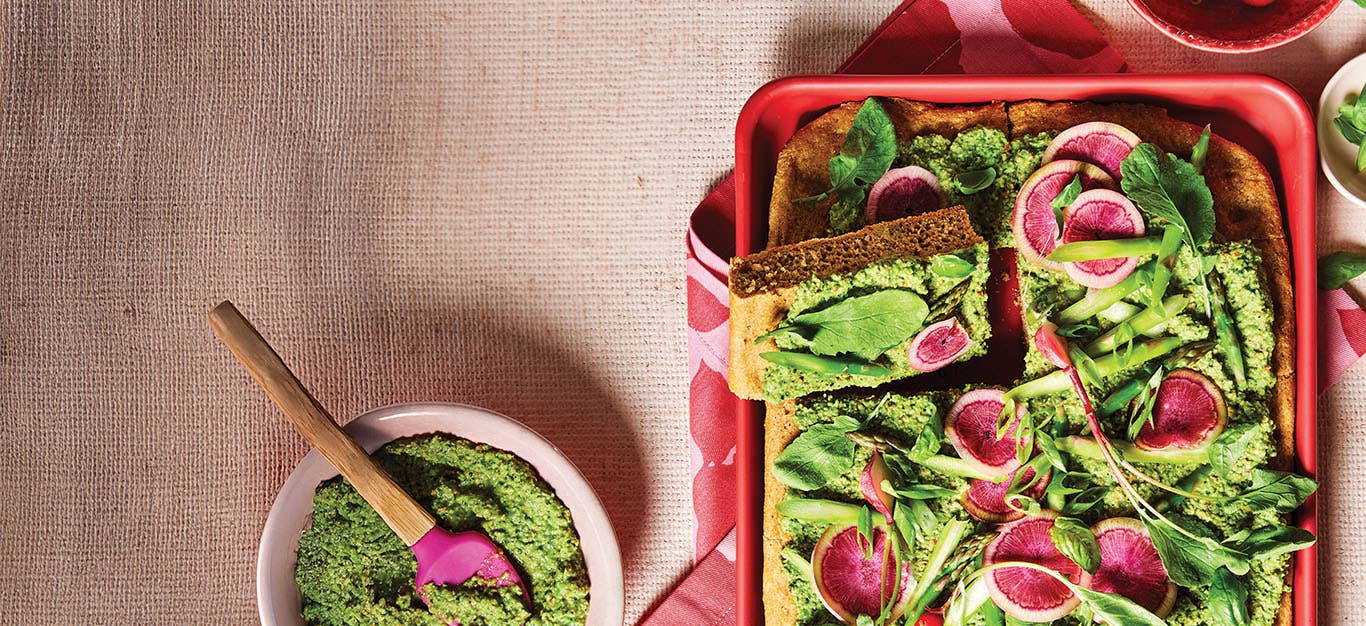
(1191,561)
(1200,150)
(1272,541)
(865,530)
(1228,599)
(1112,608)
(865,325)
(927,444)
(817,456)
(867,153)
(1169,189)
(1339,267)
(1280,491)
(1230,447)
(1074,540)
(973,181)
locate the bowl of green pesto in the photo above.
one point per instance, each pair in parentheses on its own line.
(327,558)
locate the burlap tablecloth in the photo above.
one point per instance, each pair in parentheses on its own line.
(466,201)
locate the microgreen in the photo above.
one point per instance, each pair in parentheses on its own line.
(867,153)
(1339,267)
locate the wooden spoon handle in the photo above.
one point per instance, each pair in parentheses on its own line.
(407,518)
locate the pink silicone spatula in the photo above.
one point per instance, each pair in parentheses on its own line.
(443,557)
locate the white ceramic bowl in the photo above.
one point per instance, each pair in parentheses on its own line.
(1338,157)
(277,595)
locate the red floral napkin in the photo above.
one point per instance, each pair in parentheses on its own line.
(920,37)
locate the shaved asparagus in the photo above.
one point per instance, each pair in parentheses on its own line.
(1107,365)
(1227,331)
(1105,249)
(1087,447)
(1100,299)
(1142,323)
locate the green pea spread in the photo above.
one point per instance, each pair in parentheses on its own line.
(353,570)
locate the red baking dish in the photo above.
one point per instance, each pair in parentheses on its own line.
(1262,114)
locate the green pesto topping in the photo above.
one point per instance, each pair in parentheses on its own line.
(915,275)
(353,570)
(971,151)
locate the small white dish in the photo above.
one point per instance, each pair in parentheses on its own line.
(1337,156)
(277,595)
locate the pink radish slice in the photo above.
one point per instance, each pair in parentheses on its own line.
(849,584)
(903,192)
(1033,223)
(1025,593)
(986,500)
(938,345)
(971,427)
(1189,413)
(870,485)
(1099,143)
(1101,214)
(1130,566)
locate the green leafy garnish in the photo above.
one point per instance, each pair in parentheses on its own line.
(865,530)
(865,325)
(1200,150)
(1074,540)
(1230,447)
(817,456)
(1282,492)
(1170,190)
(1066,196)
(1351,122)
(1228,599)
(973,181)
(1191,558)
(1339,267)
(867,153)
(1273,541)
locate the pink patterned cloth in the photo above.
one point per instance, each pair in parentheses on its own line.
(920,37)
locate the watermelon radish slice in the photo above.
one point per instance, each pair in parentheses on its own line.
(870,485)
(1025,593)
(1130,566)
(1188,413)
(904,191)
(971,427)
(849,584)
(938,345)
(1033,223)
(1098,143)
(986,500)
(1101,214)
